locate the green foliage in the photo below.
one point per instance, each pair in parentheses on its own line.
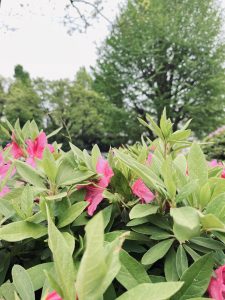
(163,53)
(130,248)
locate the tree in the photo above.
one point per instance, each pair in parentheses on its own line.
(87,117)
(164,53)
(21,100)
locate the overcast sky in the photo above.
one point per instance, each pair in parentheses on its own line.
(41,43)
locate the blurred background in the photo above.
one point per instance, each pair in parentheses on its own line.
(93,67)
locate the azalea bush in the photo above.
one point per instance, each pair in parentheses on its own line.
(214,144)
(143,222)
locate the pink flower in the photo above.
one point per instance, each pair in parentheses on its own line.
(53,296)
(4,191)
(149,159)
(36,148)
(4,167)
(16,151)
(94,192)
(140,189)
(216,288)
(214,163)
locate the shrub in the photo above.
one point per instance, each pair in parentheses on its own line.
(147,222)
(214,146)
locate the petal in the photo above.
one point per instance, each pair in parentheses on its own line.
(4,191)
(53,296)
(105,170)
(142,191)
(94,196)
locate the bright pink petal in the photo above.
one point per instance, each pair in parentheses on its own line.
(53,296)
(216,288)
(4,191)
(31,161)
(94,196)
(105,171)
(51,148)
(16,151)
(41,143)
(140,189)
(149,159)
(3,170)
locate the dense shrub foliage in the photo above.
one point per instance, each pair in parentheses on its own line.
(214,146)
(145,222)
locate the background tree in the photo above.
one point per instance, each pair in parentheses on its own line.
(21,100)
(163,53)
(86,116)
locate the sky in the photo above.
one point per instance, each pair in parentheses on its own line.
(41,42)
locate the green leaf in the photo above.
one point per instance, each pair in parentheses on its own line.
(142,171)
(142,210)
(167,172)
(157,252)
(186,223)
(211,222)
(27,201)
(181,261)
(37,274)
(63,260)
(208,243)
(23,283)
(71,214)
(18,231)
(170,266)
(56,197)
(196,278)
(217,207)
(132,272)
(89,279)
(197,165)
(93,281)
(29,174)
(152,291)
(7,290)
(49,165)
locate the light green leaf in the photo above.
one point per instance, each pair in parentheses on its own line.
(196,278)
(152,291)
(29,174)
(142,210)
(49,165)
(186,223)
(37,274)
(23,283)
(211,222)
(18,231)
(197,165)
(132,272)
(170,266)
(72,213)
(181,261)
(63,261)
(156,252)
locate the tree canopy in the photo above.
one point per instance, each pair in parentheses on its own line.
(163,53)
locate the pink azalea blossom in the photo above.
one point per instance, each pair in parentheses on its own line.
(36,148)
(149,159)
(94,192)
(53,296)
(4,167)
(16,151)
(216,287)
(140,189)
(4,191)
(214,163)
